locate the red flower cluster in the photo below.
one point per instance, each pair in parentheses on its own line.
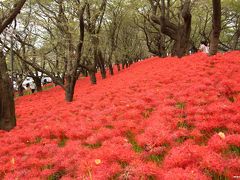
(161,119)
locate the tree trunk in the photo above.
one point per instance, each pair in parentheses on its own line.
(7,108)
(127,65)
(216,27)
(85,73)
(93,78)
(157,45)
(20,90)
(130,62)
(182,41)
(181,45)
(110,63)
(101,64)
(110,68)
(38,83)
(69,94)
(118,67)
(11,16)
(69,87)
(180,32)
(123,65)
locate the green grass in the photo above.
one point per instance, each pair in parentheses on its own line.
(182,139)
(109,127)
(185,124)
(215,175)
(234,149)
(62,141)
(25,92)
(47,166)
(167,145)
(123,164)
(220,129)
(131,139)
(45,88)
(182,116)
(147,112)
(116,176)
(151,177)
(28,92)
(37,140)
(180,105)
(206,135)
(157,158)
(93,146)
(57,175)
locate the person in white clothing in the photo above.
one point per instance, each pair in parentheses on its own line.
(207,48)
(204,47)
(32,86)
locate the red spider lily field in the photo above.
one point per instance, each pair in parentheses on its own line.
(164,118)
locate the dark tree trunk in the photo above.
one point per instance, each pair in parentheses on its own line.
(182,41)
(123,65)
(69,94)
(20,90)
(101,64)
(157,45)
(85,73)
(110,64)
(130,62)
(180,33)
(7,108)
(118,67)
(181,45)
(127,65)
(11,16)
(110,68)
(69,87)
(216,26)
(93,78)
(136,60)
(103,72)
(38,83)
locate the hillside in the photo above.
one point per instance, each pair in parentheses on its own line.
(160,119)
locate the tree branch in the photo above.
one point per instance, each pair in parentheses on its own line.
(12,15)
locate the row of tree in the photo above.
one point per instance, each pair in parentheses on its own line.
(67,39)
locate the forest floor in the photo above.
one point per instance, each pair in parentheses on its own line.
(159,119)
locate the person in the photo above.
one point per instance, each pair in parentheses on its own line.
(33,86)
(20,89)
(45,82)
(193,49)
(204,47)
(28,88)
(207,48)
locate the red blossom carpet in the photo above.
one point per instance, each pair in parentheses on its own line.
(160,119)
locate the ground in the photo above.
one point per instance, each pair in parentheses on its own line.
(160,119)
